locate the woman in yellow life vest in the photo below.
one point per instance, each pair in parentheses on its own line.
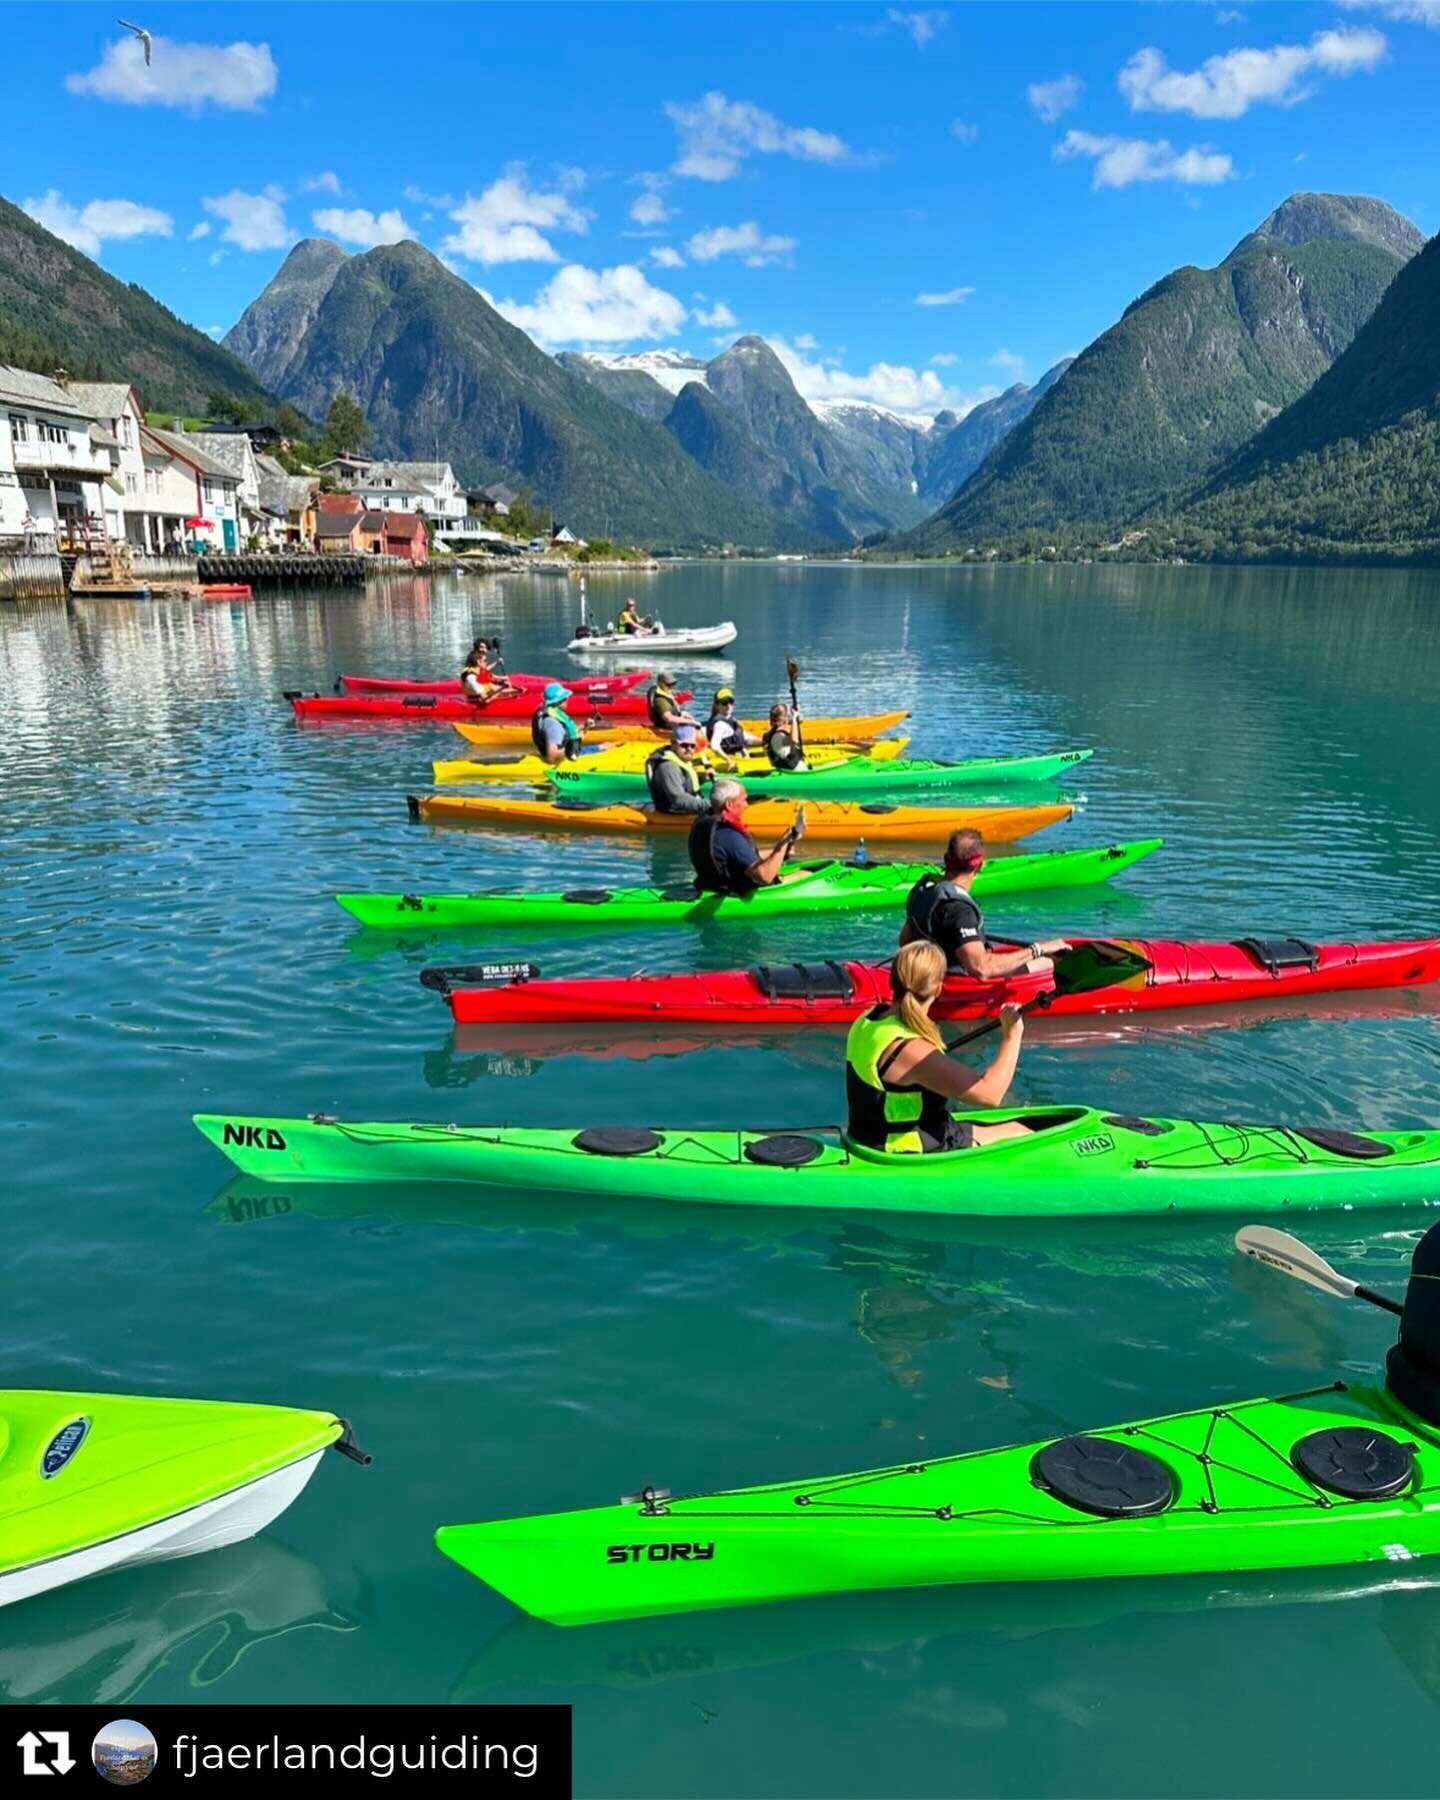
(900,1084)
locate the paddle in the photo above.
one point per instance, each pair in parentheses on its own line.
(477,975)
(1083,969)
(1278,1250)
(792,669)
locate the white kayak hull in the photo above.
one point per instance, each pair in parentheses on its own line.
(657,643)
(227,1519)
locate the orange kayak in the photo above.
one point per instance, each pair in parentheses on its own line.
(858,729)
(827,821)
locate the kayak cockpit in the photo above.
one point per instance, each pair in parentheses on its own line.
(1040,1122)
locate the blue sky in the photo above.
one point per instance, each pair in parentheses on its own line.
(919,204)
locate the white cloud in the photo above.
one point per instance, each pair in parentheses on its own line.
(944,359)
(1408,12)
(1226,87)
(922,26)
(1229,16)
(87,227)
(358,225)
(1051,98)
(202,230)
(417,196)
(326,182)
(745,240)
(949,297)
(719,317)
(1121,161)
(252,221)
(189,76)
(665,256)
(1012,362)
(963,131)
(916,393)
(597,306)
(648,209)
(807,341)
(506,223)
(716,135)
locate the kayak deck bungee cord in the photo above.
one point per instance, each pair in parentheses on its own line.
(786,995)
(1074,1162)
(852,779)
(819,887)
(1331,1476)
(826,821)
(854,728)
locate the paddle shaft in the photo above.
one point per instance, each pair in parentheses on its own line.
(792,669)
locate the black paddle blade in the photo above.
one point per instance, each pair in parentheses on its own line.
(462,975)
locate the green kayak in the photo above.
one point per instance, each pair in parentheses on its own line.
(93,1482)
(808,887)
(1076,1162)
(857,779)
(1334,1476)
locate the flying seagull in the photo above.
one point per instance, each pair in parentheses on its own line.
(141,33)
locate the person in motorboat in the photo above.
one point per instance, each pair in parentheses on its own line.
(556,736)
(672,774)
(664,710)
(725,857)
(780,742)
(942,910)
(479,681)
(724,734)
(899,1082)
(630,623)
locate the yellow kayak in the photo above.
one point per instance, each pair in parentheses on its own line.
(858,729)
(629,759)
(827,821)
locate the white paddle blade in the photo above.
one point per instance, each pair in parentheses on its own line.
(1278,1250)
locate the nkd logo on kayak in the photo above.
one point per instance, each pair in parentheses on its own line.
(628,1553)
(253,1137)
(1093,1146)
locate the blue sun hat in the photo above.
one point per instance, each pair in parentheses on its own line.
(555,692)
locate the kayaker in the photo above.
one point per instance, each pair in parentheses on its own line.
(724,734)
(664,710)
(899,1082)
(478,681)
(942,909)
(672,775)
(779,742)
(555,735)
(726,859)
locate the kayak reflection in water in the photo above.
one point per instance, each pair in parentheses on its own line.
(899,1082)
(942,909)
(726,859)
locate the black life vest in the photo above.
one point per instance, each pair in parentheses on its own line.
(708,877)
(928,895)
(734,739)
(781,748)
(1412,1366)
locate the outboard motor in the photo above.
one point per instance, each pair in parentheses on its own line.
(1412,1367)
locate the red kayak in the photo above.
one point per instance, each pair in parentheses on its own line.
(785,995)
(431,709)
(581,684)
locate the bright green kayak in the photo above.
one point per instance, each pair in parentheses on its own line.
(809,887)
(1250,1485)
(856,779)
(93,1482)
(1074,1163)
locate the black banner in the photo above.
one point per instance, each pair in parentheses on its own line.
(176,1749)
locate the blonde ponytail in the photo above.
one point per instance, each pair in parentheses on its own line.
(916,976)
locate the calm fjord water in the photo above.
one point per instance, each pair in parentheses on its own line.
(167,944)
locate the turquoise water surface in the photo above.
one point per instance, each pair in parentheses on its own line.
(168,945)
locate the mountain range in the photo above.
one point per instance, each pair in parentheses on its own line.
(1191,371)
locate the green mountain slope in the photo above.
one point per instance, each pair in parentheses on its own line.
(430,360)
(956,449)
(270,330)
(1352,469)
(633,389)
(59,309)
(1191,371)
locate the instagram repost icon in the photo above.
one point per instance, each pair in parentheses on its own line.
(124,1752)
